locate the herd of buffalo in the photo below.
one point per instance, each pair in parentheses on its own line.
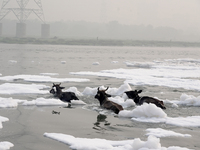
(102,96)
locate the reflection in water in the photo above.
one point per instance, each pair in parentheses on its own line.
(101,119)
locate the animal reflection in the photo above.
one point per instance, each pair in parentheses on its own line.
(63,96)
(101,119)
(102,96)
(144,99)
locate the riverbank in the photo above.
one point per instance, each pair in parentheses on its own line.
(96,42)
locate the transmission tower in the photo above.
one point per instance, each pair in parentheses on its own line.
(22,13)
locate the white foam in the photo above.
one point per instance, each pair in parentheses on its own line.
(75,90)
(41,78)
(119,91)
(188,100)
(114,61)
(95,63)
(158,132)
(10,102)
(89,91)
(173,75)
(11,88)
(49,74)
(112,91)
(63,62)
(45,102)
(139,64)
(12,61)
(190,121)
(77,102)
(174,64)
(190,61)
(13,103)
(3,119)
(154,114)
(124,103)
(185,100)
(144,111)
(5,145)
(103,144)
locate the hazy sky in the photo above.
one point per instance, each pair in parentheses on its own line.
(181,14)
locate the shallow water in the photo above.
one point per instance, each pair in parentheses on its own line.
(26,125)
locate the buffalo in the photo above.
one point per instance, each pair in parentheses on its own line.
(63,96)
(144,99)
(102,96)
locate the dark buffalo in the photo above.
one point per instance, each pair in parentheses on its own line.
(102,96)
(145,99)
(64,96)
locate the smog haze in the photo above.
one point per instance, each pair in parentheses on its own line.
(179,15)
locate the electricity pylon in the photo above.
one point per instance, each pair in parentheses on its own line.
(22,13)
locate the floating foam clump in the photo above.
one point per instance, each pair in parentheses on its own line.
(3,119)
(144,111)
(96,63)
(5,145)
(158,132)
(189,100)
(103,144)
(10,102)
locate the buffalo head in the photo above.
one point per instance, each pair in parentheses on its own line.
(56,90)
(134,95)
(101,93)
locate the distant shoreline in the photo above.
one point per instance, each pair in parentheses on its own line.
(97,42)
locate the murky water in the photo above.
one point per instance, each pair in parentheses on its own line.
(37,59)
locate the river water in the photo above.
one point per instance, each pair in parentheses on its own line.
(162,72)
